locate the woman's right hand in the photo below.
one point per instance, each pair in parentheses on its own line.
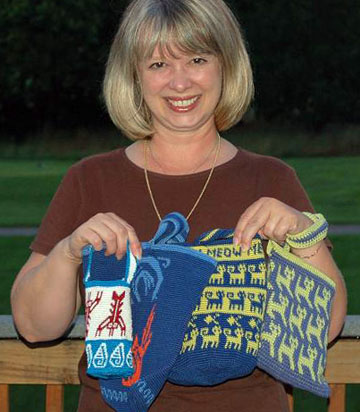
(103,227)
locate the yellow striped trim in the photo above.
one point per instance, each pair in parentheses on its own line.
(209,235)
(292,258)
(312,233)
(232,253)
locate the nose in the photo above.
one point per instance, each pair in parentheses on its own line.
(180,80)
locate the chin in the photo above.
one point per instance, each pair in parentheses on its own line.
(186,125)
(185,128)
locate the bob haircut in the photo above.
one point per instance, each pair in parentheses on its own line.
(192,26)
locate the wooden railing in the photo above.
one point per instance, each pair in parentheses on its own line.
(55,364)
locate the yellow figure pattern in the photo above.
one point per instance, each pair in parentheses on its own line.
(233,303)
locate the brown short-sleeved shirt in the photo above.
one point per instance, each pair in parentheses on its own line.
(110,182)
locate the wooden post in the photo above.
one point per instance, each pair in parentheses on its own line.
(4,398)
(54,398)
(337,401)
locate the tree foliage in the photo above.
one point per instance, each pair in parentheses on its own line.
(52,56)
(305,55)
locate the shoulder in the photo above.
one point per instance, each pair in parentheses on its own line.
(100,159)
(265,167)
(265,164)
(275,178)
(102,163)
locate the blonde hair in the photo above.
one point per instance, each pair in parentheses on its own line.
(198,26)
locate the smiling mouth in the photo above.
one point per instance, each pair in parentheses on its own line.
(182,105)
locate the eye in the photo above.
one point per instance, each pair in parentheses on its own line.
(199,60)
(157,65)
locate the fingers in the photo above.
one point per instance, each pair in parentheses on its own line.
(124,233)
(279,230)
(262,234)
(134,243)
(250,229)
(269,217)
(250,222)
(107,228)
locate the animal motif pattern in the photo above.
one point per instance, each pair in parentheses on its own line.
(270,335)
(114,320)
(236,288)
(210,337)
(90,305)
(190,339)
(229,313)
(168,280)
(139,350)
(108,317)
(166,284)
(234,338)
(294,333)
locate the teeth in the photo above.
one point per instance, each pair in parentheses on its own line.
(183,103)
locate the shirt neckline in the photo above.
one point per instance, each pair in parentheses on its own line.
(220,167)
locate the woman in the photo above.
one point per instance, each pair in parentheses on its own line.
(174,79)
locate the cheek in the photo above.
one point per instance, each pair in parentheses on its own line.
(151,86)
(214,86)
(213,81)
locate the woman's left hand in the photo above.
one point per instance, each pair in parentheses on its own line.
(270,218)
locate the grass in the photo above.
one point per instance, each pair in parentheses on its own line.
(14,252)
(332,184)
(35,181)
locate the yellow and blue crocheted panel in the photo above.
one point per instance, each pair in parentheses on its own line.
(222,338)
(294,333)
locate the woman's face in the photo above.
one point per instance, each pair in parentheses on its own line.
(181,92)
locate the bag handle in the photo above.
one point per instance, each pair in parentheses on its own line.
(173,229)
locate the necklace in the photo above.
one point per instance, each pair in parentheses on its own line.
(191,171)
(146,147)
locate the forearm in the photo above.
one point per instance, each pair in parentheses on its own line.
(44,299)
(322,260)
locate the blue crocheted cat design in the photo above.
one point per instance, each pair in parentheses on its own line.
(294,334)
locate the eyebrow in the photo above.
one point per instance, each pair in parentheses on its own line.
(192,54)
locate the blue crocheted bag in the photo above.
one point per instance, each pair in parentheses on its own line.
(222,337)
(293,341)
(108,337)
(165,285)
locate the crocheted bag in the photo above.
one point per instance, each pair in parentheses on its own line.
(108,313)
(222,337)
(165,288)
(108,337)
(294,334)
